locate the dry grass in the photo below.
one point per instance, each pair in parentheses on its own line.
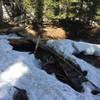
(47,33)
(54,33)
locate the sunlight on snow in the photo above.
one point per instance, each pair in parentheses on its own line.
(14,72)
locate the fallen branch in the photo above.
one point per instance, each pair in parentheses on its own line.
(71,64)
(70,71)
(12,29)
(45,54)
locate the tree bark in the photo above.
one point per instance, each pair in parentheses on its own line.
(1,11)
(39,13)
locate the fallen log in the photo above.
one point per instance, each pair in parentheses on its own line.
(65,64)
(22,45)
(52,62)
(26,32)
(12,29)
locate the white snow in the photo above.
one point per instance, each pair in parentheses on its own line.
(10,36)
(89,49)
(23,70)
(67,47)
(5,14)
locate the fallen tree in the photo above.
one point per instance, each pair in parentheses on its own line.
(11,29)
(52,62)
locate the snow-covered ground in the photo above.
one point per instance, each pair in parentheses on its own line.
(23,70)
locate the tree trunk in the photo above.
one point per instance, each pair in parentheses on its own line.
(57,9)
(39,13)
(39,8)
(1,11)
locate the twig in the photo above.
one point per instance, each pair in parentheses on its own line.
(37,44)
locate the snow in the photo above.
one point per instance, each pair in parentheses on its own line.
(89,49)
(23,70)
(10,36)
(67,48)
(93,73)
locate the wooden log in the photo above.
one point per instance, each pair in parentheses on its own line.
(26,32)
(22,45)
(1,11)
(12,29)
(61,67)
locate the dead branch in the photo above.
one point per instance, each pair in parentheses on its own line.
(12,29)
(71,71)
